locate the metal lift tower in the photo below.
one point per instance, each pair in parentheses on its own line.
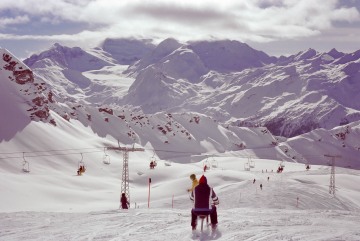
(332,175)
(125,173)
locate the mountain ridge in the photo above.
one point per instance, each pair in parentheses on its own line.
(268,98)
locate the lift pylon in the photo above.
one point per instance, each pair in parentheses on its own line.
(332,174)
(125,173)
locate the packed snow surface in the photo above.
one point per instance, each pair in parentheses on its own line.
(53,203)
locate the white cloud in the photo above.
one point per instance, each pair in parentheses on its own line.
(13,21)
(255,20)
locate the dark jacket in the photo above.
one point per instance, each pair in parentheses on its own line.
(124,202)
(202,193)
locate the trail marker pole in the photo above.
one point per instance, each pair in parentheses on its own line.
(332,174)
(297,202)
(149,194)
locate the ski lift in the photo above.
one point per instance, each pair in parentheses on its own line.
(153,163)
(247,166)
(26,165)
(81,166)
(106,158)
(206,164)
(251,162)
(282,164)
(214,163)
(281,167)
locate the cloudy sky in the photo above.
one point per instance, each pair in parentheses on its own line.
(274,26)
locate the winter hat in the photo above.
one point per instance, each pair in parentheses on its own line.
(203,179)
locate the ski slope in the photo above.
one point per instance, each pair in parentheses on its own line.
(293,205)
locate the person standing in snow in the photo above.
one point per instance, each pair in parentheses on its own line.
(124,201)
(195,182)
(201,197)
(261,186)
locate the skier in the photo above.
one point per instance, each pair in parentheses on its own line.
(195,182)
(124,201)
(254,181)
(261,186)
(201,197)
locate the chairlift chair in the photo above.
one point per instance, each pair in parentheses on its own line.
(26,165)
(214,163)
(206,164)
(106,158)
(153,163)
(81,166)
(251,162)
(246,166)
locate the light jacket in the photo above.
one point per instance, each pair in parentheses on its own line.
(195,182)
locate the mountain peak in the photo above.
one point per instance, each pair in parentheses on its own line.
(307,54)
(169,43)
(335,54)
(67,57)
(126,51)
(229,55)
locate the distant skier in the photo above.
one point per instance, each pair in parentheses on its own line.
(124,201)
(260,186)
(201,196)
(195,182)
(268,178)
(254,181)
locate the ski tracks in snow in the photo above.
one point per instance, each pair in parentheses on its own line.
(163,224)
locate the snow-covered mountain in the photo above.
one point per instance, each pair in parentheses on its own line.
(64,107)
(226,80)
(127,51)
(289,96)
(154,99)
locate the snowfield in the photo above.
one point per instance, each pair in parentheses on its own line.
(293,205)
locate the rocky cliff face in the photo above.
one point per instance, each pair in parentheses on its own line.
(36,95)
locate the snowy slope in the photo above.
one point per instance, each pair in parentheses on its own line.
(42,197)
(292,205)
